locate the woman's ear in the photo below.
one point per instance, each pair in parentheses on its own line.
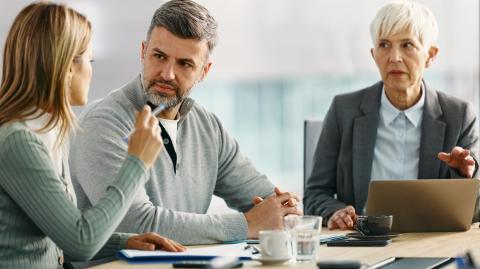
(432,54)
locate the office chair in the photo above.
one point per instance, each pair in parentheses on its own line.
(311,131)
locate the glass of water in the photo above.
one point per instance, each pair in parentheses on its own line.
(305,234)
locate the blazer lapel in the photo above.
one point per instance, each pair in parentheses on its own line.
(364,137)
(433,135)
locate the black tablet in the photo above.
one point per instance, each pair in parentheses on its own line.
(359,243)
(339,265)
(412,262)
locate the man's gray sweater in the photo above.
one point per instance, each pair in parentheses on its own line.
(173,204)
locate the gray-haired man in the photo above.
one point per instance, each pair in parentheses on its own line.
(200,158)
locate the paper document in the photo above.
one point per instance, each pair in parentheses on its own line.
(230,250)
(325,238)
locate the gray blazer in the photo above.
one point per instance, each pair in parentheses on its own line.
(344,154)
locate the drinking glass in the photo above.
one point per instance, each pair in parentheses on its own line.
(305,233)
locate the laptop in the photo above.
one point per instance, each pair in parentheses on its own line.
(426,205)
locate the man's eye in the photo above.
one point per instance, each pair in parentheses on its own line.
(186,64)
(159,56)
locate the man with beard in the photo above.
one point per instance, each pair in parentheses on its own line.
(200,159)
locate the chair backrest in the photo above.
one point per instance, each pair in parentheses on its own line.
(311,131)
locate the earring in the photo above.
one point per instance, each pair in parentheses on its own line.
(69,81)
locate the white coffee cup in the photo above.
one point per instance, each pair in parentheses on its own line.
(275,244)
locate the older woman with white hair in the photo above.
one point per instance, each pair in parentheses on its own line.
(398,128)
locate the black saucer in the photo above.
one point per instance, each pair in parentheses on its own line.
(373,237)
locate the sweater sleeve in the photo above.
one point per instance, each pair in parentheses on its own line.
(238,180)
(99,149)
(116,242)
(28,177)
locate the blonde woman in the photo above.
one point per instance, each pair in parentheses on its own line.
(46,70)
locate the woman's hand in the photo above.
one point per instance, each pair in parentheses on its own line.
(146,141)
(343,219)
(153,241)
(460,159)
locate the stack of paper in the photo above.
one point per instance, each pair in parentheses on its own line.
(201,253)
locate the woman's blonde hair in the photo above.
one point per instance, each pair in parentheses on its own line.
(43,42)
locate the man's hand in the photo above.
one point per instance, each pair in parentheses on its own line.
(459,159)
(292,202)
(342,219)
(152,241)
(267,214)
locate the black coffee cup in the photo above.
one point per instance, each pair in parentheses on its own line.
(374,225)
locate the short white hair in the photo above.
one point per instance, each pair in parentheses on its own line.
(399,16)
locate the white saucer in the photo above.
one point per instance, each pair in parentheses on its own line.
(269,261)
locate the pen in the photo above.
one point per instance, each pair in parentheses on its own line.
(223,262)
(466,261)
(155,112)
(382,263)
(255,250)
(470,259)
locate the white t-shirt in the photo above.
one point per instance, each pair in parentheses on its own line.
(171,128)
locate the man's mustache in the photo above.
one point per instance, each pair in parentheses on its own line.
(164,82)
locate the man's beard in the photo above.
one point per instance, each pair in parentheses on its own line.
(157,98)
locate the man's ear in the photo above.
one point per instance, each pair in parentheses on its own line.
(143,51)
(432,54)
(371,53)
(205,71)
